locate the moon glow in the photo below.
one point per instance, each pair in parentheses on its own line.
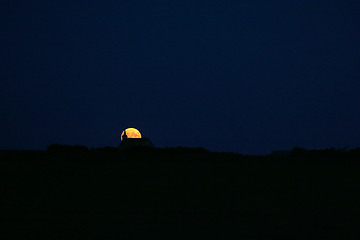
(131,133)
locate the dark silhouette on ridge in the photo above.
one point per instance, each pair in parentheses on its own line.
(128,143)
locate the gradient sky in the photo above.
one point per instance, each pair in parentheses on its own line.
(240,76)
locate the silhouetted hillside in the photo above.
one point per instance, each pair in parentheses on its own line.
(179,193)
(66,148)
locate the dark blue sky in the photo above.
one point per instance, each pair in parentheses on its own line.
(241,76)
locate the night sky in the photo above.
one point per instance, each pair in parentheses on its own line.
(241,76)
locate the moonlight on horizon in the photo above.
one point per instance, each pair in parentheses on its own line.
(131,133)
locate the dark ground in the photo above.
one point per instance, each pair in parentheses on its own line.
(178,194)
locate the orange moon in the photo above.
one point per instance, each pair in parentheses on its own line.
(131,133)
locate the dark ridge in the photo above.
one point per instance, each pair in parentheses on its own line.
(179,192)
(106,150)
(66,148)
(162,151)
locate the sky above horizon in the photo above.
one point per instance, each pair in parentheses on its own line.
(240,76)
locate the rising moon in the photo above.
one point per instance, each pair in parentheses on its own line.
(131,133)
